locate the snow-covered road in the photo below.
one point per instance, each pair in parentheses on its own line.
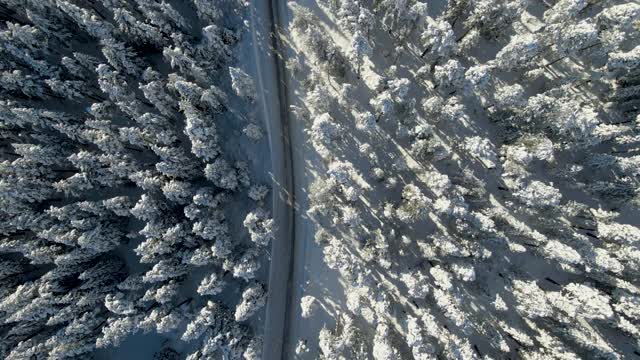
(272,90)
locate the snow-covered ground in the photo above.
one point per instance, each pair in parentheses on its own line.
(311,276)
(472,162)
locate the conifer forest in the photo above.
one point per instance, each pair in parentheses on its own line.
(319,179)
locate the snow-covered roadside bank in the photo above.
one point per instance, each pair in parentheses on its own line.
(310,275)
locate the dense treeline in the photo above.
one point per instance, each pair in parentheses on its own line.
(111,119)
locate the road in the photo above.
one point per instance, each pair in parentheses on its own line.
(272,83)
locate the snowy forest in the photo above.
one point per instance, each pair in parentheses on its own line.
(129,200)
(319,179)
